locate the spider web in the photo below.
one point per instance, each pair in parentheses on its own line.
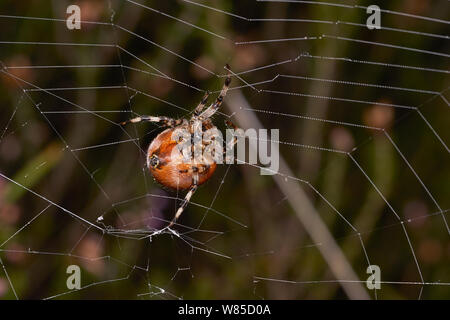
(363,133)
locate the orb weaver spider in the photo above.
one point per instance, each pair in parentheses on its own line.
(170,169)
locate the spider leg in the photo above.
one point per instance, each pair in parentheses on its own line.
(230,144)
(186,200)
(216,105)
(165,121)
(231,125)
(201,105)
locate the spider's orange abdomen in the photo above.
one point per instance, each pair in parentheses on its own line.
(171,170)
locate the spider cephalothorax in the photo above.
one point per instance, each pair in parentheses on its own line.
(169,167)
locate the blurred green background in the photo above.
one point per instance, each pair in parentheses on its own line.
(158,60)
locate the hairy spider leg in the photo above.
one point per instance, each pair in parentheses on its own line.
(230,144)
(165,121)
(186,200)
(216,105)
(198,110)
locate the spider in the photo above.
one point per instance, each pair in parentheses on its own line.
(170,169)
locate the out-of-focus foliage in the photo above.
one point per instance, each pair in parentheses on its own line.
(75,160)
